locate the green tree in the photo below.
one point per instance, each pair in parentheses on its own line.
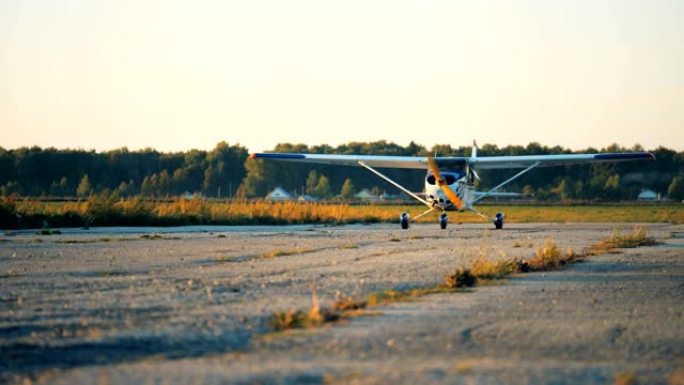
(311,182)
(612,187)
(348,189)
(11,187)
(84,188)
(323,187)
(122,190)
(225,168)
(146,188)
(126,189)
(528,191)
(564,190)
(676,189)
(259,179)
(164,183)
(579,190)
(60,189)
(154,184)
(211,182)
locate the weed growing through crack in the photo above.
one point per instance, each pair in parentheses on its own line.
(156,236)
(460,277)
(283,253)
(547,257)
(618,240)
(391,296)
(625,378)
(347,246)
(48,232)
(345,304)
(298,319)
(483,268)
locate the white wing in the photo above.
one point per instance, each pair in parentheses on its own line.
(491,162)
(416,162)
(522,161)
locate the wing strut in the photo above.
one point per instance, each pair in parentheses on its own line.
(395,184)
(507,181)
(425,213)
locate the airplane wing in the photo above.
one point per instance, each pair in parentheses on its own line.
(481,163)
(381,161)
(522,161)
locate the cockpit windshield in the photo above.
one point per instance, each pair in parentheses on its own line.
(448,178)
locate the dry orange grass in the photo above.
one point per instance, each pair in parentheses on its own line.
(618,240)
(184,211)
(483,268)
(460,277)
(550,257)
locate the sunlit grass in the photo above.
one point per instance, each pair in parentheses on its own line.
(103,211)
(618,240)
(483,268)
(549,257)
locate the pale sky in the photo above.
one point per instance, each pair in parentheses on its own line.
(176,75)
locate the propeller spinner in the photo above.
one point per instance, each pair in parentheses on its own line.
(443,185)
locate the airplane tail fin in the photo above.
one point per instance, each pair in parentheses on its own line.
(473,155)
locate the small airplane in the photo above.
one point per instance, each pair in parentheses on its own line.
(450,181)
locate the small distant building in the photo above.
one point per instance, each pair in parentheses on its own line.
(190,196)
(279,194)
(366,195)
(389,197)
(648,195)
(306,198)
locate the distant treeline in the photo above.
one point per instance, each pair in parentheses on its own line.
(225,172)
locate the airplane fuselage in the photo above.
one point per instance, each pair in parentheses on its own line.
(457,181)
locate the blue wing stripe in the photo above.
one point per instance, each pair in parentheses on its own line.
(634,155)
(279,156)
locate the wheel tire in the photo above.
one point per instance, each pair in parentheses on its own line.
(499,221)
(443,221)
(404,220)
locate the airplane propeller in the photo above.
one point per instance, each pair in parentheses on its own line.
(443,185)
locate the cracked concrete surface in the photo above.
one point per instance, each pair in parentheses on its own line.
(193,306)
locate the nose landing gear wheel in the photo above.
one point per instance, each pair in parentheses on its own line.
(404,220)
(443,220)
(499,221)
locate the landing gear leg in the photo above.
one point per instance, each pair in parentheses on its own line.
(404,220)
(499,221)
(443,220)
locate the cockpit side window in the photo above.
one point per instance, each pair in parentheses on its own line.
(431,179)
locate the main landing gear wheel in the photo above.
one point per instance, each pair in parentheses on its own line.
(499,221)
(443,220)
(404,220)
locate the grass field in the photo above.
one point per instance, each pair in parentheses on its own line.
(99,211)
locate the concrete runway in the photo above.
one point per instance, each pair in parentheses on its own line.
(193,305)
